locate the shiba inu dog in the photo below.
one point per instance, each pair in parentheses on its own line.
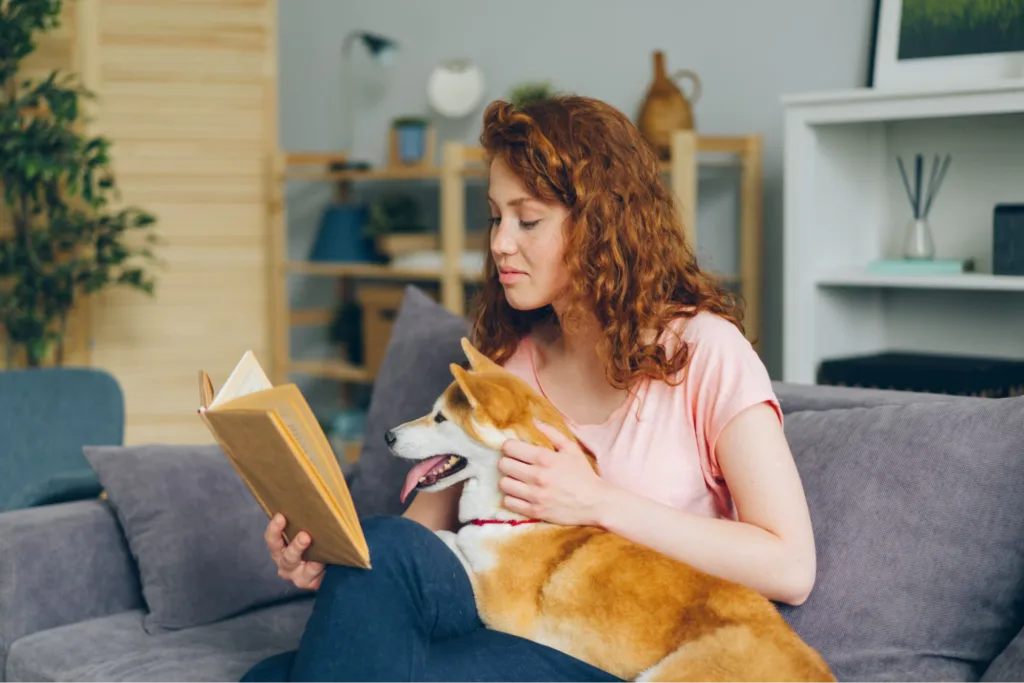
(589,593)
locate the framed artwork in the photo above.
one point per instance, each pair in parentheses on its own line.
(946,44)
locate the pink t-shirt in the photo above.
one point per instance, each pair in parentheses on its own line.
(660,443)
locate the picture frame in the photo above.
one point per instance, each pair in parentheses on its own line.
(923,45)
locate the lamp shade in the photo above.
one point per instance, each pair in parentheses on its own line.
(380,48)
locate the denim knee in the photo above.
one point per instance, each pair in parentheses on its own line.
(389,534)
(393,542)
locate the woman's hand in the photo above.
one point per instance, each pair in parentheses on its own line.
(557,486)
(288,558)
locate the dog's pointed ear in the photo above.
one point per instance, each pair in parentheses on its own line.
(462,376)
(477,360)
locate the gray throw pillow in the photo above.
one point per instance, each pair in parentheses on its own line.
(424,341)
(918,514)
(195,531)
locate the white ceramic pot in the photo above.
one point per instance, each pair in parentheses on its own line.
(455,88)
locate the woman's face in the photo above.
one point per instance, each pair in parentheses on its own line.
(526,241)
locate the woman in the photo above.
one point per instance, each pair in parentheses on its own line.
(592,296)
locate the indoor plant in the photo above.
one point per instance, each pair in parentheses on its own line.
(530,91)
(68,240)
(396,226)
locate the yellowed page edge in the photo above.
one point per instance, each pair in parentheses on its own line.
(321,487)
(327,457)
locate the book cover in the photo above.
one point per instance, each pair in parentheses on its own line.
(276,445)
(921,267)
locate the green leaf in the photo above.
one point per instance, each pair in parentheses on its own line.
(58,185)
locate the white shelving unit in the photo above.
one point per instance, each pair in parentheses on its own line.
(845,205)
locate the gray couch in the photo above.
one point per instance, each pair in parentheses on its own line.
(917,502)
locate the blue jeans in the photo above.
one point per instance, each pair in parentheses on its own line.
(410,618)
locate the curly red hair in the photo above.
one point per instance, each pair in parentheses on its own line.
(628,261)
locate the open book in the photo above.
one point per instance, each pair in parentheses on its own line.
(275,443)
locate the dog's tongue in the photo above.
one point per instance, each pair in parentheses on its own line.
(418,470)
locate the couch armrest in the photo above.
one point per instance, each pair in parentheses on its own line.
(60,564)
(59,487)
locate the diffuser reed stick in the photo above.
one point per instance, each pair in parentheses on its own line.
(921,202)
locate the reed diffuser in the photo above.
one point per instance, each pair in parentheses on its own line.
(918,242)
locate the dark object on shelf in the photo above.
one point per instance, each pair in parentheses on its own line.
(934,373)
(394,212)
(1008,239)
(353,165)
(341,235)
(347,331)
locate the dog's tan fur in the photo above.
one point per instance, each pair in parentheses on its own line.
(599,597)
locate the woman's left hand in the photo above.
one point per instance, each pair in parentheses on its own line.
(554,485)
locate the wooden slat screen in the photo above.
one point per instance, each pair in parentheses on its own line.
(187,92)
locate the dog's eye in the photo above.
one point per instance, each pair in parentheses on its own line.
(439,418)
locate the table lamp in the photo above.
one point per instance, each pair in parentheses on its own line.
(382,50)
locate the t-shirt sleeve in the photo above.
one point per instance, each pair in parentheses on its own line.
(724,377)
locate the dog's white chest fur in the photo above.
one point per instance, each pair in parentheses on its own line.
(478,547)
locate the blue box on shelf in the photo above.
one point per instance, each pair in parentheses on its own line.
(1008,239)
(341,237)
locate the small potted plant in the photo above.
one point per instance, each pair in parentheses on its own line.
(396,226)
(530,91)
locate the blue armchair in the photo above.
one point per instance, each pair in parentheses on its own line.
(46,416)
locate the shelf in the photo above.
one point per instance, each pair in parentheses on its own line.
(959,282)
(459,163)
(893,94)
(371,271)
(870,104)
(313,165)
(412,173)
(331,369)
(845,206)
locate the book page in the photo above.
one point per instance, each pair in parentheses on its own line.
(247,378)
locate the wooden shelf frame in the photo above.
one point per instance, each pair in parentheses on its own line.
(458,163)
(746,151)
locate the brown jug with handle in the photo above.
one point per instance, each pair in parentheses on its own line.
(666,108)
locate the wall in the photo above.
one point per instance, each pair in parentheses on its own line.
(748,53)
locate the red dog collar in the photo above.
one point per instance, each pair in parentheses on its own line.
(512,522)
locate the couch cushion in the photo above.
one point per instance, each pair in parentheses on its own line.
(117,648)
(917,511)
(423,343)
(194,529)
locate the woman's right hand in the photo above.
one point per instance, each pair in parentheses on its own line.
(288,558)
